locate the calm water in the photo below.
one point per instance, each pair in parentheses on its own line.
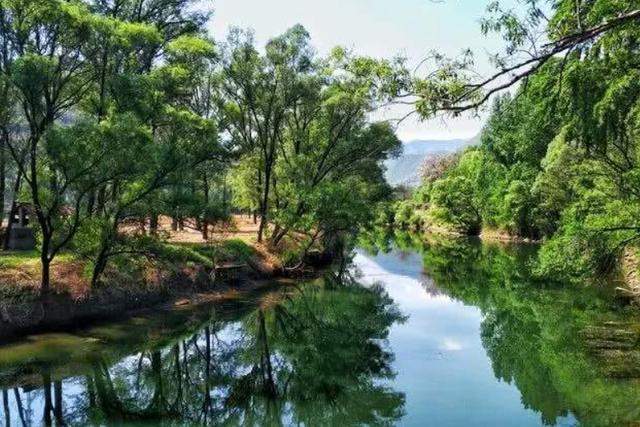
(447,333)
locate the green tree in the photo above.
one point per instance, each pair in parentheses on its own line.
(258,92)
(47,42)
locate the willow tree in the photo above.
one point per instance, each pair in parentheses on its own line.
(330,170)
(175,140)
(567,145)
(100,84)
(302,124)
(258,92)
(47,43)
(534,34)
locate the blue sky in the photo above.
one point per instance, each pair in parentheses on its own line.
(382,28)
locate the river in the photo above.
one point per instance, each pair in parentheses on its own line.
(415,332)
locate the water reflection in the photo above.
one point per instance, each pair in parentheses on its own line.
(572,352)
(431,331)
(313,354)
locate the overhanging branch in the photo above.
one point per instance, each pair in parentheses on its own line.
(524,69)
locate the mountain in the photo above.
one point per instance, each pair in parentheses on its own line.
(404,169)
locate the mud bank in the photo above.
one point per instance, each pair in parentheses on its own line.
(179,287)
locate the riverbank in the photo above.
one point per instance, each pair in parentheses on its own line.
(183,269)
(164,282)
(487,333)
(485,234)
(624,277)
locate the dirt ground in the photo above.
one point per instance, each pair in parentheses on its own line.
(240,227)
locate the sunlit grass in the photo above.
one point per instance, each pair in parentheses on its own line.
(16,259)
(226,250)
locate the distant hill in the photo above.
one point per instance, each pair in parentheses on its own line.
(404,170)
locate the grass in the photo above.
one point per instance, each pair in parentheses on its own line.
(15,259)
(236,249)
(183,253)
(226,250)
(20,273)
(196,253)
(20,270)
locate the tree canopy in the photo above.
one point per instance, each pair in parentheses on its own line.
(558,159)
(119,112)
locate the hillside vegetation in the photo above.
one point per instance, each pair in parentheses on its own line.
(558,162)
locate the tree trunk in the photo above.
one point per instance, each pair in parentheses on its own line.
(98,268)
(260,204)
(16,395)
(105,394)
(57,398)
(90,392)
(45,281)
(263,212)
(278,236)
(153,224)
(46,380)
(5,405)
(225,196)
(264,205)
(267,368)
(205,218)
(177,406)
(101,199)
(207,372)
(158,404)
(174,224)
(262,226)
(46,265)
(91,202)
(3,175)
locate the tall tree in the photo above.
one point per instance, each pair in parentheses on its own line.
(258,91)
(47,40)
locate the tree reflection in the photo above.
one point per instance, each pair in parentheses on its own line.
(313,354)
(534,332)
(318,356)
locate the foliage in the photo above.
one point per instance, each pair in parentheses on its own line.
(558,160)
(302,124)
(549,340)
(126,111)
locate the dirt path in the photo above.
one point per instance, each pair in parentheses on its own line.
(240,227)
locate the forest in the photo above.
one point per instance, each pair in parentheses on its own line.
(199,229)
(558,157)
(115,113)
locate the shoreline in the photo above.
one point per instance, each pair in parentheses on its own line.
(61,314)
(492,235)
(185,270)
(486,235)
(625,280)
(189,272)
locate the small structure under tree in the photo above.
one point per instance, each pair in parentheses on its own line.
(21,235)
